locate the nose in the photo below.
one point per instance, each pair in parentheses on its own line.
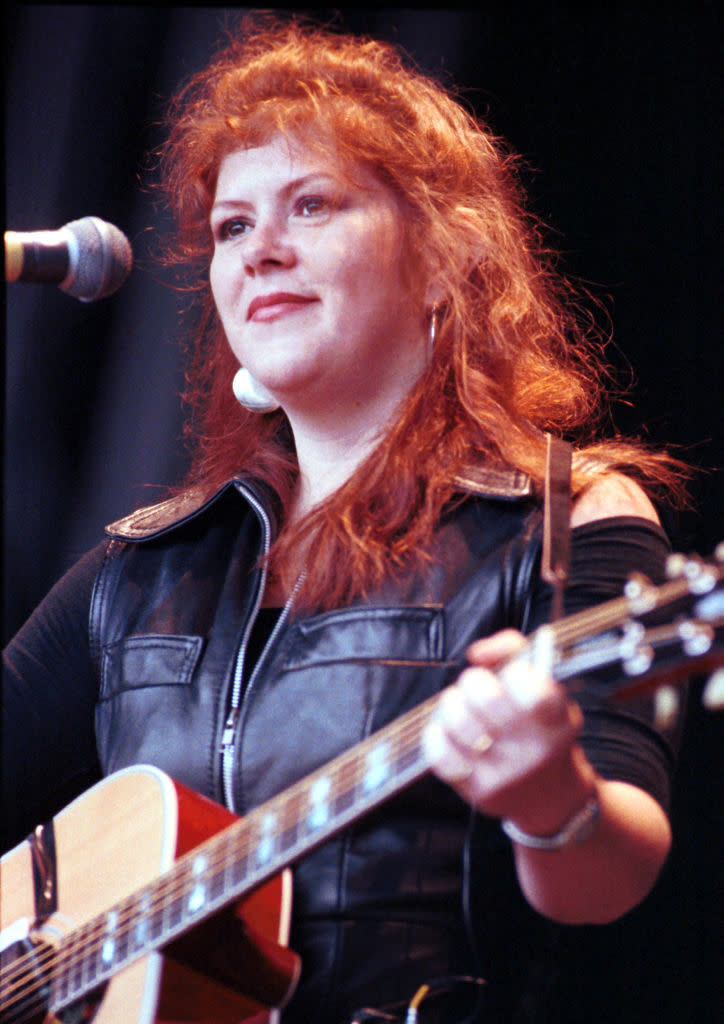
(267,248)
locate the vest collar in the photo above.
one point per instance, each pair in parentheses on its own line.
(155,520)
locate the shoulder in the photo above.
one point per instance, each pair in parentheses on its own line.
(612,494)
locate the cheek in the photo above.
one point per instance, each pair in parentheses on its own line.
(375,266)
(391,259)
(223,294)
(216,279)
(223,279)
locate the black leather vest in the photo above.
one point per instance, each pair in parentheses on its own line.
(378,910)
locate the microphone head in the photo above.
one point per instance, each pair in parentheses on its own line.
(101,259)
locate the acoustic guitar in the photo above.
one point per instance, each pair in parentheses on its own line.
(144,902)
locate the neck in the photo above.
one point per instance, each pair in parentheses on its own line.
(333,438)
(327,459)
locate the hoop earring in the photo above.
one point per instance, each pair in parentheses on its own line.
(251,394)
(433,327)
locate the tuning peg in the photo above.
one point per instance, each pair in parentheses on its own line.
(713,694)
(636,656)
(700,576)
(640,593)
(696,637)
(675,565)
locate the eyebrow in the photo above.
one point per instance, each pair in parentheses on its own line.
(285,191)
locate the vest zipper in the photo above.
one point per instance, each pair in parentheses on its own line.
(228,736)
(228,742)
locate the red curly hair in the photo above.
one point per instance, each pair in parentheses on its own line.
(511,358)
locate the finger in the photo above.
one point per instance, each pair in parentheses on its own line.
(479,688)
(491,651)
(495,709)
(449,763)
(464,721)
(526,684)
(500,698)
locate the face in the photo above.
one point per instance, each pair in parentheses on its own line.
(308,281)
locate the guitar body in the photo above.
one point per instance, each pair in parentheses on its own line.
(114,840)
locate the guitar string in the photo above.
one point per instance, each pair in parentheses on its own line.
(86,941)
(582,625)
(238,840)
(95,933)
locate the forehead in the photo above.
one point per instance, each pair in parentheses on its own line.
(282,161)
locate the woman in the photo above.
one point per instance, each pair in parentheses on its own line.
(370,520)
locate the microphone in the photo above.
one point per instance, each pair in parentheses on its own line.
(88,258)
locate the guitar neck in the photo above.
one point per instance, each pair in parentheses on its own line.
(247,853)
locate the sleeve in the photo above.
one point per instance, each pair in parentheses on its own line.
(48,703)
(620,737)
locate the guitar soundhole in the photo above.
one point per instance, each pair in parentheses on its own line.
(29,988)
(27,964)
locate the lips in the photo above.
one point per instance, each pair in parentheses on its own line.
(267,307)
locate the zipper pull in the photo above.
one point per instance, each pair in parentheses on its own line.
(227,757)
(227,737)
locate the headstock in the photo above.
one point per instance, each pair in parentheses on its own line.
(655,636)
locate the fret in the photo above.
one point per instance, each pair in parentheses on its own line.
(225,851)
(175,906)
(289,838)
(156,928)
(343,801)
(217,886)
(61,976)
(123,934)
(85,973)
(100,950)
(239,871)
(88,960)
(408,758)
(75,958)
(291,814)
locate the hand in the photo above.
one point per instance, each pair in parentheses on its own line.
(507,742)
(512,752)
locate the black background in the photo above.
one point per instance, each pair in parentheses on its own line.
(615,109)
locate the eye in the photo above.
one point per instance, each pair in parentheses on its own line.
(309,206)
(233,227)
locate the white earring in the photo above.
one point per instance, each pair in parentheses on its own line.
(251,394)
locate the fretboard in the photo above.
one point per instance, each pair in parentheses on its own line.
(242,856)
